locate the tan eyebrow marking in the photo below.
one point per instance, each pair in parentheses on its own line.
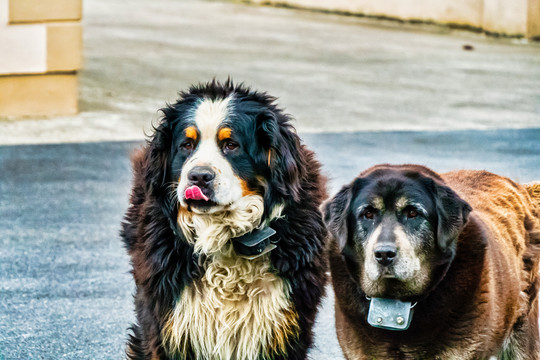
(401,203)
(224,133)
(378,203)
(191,132)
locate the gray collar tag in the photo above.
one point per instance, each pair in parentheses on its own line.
(390,314)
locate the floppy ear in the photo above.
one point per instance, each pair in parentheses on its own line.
(452,215)
(157,157)
(283,155)
(335,213)
(156,170)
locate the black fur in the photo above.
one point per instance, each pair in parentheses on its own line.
(164,263)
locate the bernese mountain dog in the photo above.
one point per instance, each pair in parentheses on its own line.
(224,231)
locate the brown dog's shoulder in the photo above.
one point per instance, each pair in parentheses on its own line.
(477,180)
(533,221)
(532,253)
(533,189)
(490,193)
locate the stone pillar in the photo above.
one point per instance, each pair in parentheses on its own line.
(40,53)
(533,19)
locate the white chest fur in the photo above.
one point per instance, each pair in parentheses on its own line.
(238,310)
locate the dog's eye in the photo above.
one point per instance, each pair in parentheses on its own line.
(412,213)
(369,214)
(229,146)
(188,145)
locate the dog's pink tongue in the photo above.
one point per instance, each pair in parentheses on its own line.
(195,193)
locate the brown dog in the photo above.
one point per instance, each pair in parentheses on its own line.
(461,248)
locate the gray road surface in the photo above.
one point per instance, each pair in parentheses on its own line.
(65,291)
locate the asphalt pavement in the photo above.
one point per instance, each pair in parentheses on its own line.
(65,287)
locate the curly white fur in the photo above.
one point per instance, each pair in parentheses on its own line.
(240,308)
(210,232)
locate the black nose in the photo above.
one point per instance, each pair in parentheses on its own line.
(201,175)
(385,254)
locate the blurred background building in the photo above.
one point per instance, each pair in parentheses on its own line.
(41,46)
(40,53)
(514,18)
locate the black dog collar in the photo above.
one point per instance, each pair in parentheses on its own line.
(250,245)
(254,243)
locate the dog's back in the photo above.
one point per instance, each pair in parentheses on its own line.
(511,212)
(534,192)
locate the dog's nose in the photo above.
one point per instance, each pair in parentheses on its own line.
(385,254)
(201,175)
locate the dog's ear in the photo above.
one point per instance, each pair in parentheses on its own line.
(157,158)
(282,152)
(335,213)
(452,215)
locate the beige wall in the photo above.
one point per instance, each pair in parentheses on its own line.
(510,17)
(41,48)
(24,11)
(503,16)
(533,18)
(459,11)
